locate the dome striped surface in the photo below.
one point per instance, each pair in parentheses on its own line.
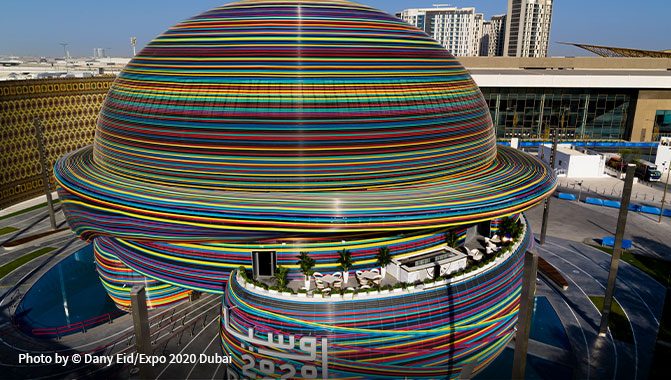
(305,122)
(430,333)
(296,126)
(293,96)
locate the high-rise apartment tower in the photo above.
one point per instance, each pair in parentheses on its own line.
(528,28)
(493,36)
(459,30)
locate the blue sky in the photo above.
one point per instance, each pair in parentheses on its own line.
(36,27)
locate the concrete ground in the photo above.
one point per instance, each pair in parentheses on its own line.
(641,297)
(577,221)
(610,187)
(572,223)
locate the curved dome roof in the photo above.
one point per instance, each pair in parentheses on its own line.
(265,118)
(294,96)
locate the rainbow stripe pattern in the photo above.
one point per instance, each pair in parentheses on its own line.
(425,334)
(294,126)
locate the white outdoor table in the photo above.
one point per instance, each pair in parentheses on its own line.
(329,280)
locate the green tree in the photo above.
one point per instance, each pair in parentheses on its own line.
(629,155)
(383,259)
(452,239)
(345,259)
(510,226)
(281,277)
(306,264)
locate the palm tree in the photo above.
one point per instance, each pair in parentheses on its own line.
(510,226)
(345,262)
(281,277)
(452,239)
(306,263)
(383,259)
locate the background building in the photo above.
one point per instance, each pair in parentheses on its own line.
(98,53)
(588,98)
(458,30)
(67,108)
(528,28)
(493,36)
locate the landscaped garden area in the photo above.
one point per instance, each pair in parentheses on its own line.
(377,280)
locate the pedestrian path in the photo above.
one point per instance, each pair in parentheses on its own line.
(641,297)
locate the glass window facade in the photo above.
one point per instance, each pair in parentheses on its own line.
(582,114)
(663,123)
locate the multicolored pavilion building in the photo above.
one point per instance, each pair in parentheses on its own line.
(260,129)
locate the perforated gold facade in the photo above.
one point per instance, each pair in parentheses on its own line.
(68,109)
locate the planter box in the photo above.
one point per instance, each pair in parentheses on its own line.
(303,295)
(271,291)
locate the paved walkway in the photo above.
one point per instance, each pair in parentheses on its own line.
(576,221)
(608,186)
(185,328)
(641,297)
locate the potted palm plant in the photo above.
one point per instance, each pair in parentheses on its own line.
(281,278)
(452,239)
(345,262)
(306,264)
(383,259)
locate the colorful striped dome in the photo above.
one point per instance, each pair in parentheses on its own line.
(262,118)
(294,96)
(296,125)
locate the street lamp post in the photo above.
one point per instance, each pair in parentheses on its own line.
(661,210)
(546,207)
(617,250)
(65,55)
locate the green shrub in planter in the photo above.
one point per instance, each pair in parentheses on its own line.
(302,291)
(274,287)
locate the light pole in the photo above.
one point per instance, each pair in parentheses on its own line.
(65,54)
(661,210)
(546,207)
(617,249)
(132,42)
(529,272)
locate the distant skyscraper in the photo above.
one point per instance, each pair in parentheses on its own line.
(459,30)
(528,28)
(493,36)
(98,53)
